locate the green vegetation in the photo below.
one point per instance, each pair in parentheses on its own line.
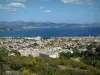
(3,54)
(89,57)
(89,63)
(48,66)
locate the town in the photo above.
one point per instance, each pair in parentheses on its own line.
(47,46)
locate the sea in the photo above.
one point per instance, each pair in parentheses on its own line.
(52,32)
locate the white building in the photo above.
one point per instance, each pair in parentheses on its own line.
(11,54)
(50,55)
(51,52)
(37,38)
(29,51)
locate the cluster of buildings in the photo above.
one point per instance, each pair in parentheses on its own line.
(46,47)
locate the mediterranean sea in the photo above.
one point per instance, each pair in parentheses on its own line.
(52,32)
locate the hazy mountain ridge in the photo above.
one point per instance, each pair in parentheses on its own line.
(4,25)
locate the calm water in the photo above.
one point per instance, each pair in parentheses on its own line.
(52,32)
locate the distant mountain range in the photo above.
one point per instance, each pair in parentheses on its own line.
(4,25)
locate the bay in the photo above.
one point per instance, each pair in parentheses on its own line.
(52,32)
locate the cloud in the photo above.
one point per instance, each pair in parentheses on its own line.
(45,10)
(18,0)
(48,11)
(11,6)
(76,1)
(67,1)
(41,7)
(26,0)
(17,5)
(5,7)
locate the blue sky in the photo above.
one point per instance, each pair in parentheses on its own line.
(60,11)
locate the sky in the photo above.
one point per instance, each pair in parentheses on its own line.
(58,11)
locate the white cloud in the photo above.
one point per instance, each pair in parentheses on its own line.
(17,5)
(48,11)
(76,1)
(45,10)
(26,0)
(18,0)
(63,1)
(8,9)
(11,6)
(41,7)
(67,1)
(5,7)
